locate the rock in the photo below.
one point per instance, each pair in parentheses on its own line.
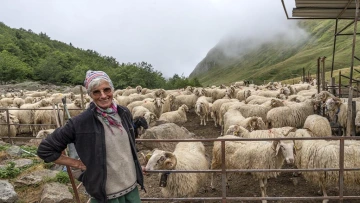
(35,177)
(56,192)
(22,162)
(7,192)
(14,151)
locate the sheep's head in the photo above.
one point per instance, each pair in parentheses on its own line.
(138,89)
(286,149)
(276,103)
(184,108)
(158,102)
(161,160)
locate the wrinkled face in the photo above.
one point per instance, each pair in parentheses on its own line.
(102,95)
(156,161)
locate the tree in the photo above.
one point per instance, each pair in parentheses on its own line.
(11,67)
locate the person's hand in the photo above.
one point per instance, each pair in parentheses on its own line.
(143,170)
(81,165)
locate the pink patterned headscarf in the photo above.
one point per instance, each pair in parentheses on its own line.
(91,75)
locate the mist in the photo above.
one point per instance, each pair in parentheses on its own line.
(174,36)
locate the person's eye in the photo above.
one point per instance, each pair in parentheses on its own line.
(107,90)
(96,92)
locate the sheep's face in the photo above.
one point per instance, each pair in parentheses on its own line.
(158,102)
(160,160)
(285,149)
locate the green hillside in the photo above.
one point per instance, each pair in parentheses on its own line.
(25,55)
(278,60)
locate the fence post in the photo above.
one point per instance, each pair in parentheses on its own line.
(339,83)
(349,113)
(318,75)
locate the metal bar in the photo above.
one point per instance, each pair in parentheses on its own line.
(350,78)
(339,83)
(333,56)
(341,172)
(318,75)
(286,13)
(347,5)
(344,28)
(249,198)
(223,172)
(358,60)
(8,125)
(347,34)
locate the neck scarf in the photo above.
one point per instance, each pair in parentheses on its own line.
(109,116)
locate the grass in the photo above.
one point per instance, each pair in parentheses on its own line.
(278,60)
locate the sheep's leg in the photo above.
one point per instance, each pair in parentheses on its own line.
(323,189)
(212,182)
(203,117)
(263,184)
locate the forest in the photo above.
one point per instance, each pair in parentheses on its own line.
(25,55)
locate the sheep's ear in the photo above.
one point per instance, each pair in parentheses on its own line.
(170,161)
(276,146)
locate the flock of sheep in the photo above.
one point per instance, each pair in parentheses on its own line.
(240,111)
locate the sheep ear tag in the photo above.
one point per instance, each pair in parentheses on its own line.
(163,179)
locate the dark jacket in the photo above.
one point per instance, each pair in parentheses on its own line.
(87,133)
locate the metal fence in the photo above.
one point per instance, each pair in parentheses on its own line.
(224,198)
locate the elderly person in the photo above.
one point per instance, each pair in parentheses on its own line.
(105,141)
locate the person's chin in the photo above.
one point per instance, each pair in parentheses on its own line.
(104,105)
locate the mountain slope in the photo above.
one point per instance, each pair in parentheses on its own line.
(277,59)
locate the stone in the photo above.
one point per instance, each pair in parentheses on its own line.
(7,192)
(35,177)
(14,151)
(56,192)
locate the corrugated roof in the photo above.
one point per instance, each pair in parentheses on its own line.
(324,9)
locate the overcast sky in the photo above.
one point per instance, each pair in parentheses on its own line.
(172,35)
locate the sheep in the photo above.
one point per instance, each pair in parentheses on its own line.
(242,95)
(215,109)
(267,93)
(178,116)
(40,94)
(154,106)
(6,102)
(262,133)
(241,155)
(4,128)
(259,110)
(29,100)
(137,90)
(156,93)
(293,115)
(252,97)
(314,154)
(189,100)
(118,92)
(186,156)
(231,117)
(18,102)
(202,109)
(300,87)
(74,108)
(337,112)
(319,125)
(164,131)
(218,94)
(44,133)
(26,115)
(45,115)
(168,103)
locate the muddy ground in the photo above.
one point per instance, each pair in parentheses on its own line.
(286,185)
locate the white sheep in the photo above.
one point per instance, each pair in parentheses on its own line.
(46,115)
(215,109)
(178,116)
(165,131)
(269,133)
(224,108)
(168,103)
(253,155)
(18,102)
(313,154)
(154,106)
(261,110)
(202,109)
(137,90)
(186,156)
(292,115)
(318,125)
(44,133)
(4,128)
(242,95)
(150,117)
(189,100)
